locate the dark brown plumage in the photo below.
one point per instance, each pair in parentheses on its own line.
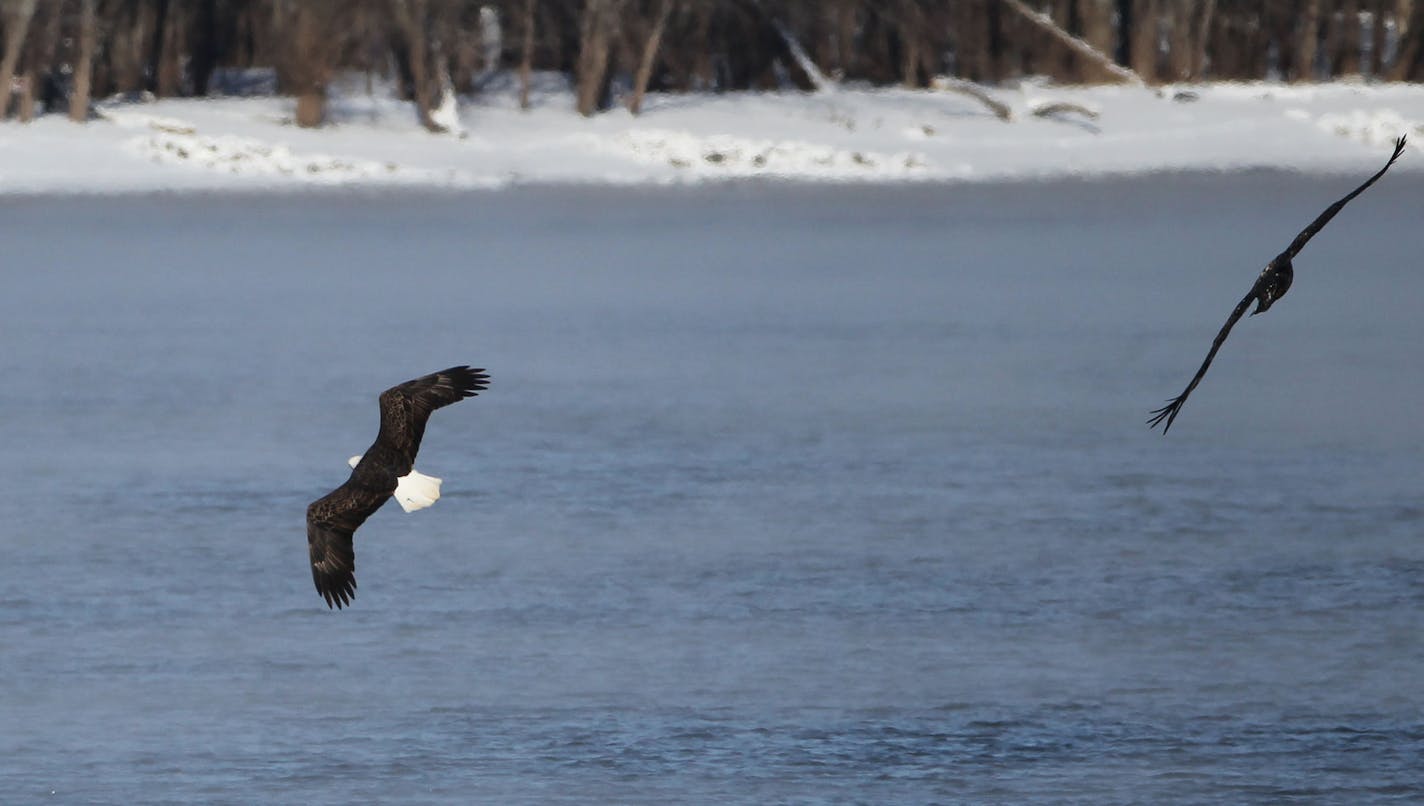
(1272,284)
(333,518)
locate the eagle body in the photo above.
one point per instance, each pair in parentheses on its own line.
(386,467)
(1274,282)
(414,490)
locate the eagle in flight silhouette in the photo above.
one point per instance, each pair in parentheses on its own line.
(1271,285)
(386,469)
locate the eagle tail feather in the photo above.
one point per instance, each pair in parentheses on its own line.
(417,490)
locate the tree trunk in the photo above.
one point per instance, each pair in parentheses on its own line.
(169,66)
(126,48)
(1378,35)
(526,58)
(1064,66)
(469,61)
(1005,54)
(911,30)
(1410,18)
(1144,39)
(845,27)
(1179,39)
(311,107)
(1307,38)
(1097,22)
(1347,40)
(1414,69)
(593,56)
(703,71)
(311,34)
(650,54)
(17,24)
(410,19)
(1203,34)
(204,50)
(491,42)
(84,69)
(155,48)
(40,58)
(25,112)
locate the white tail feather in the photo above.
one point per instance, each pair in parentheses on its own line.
(414,490)
(417,490)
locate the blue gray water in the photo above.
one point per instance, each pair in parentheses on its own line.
(799,495)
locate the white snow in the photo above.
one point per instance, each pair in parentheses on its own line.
(700,155)
(850,135)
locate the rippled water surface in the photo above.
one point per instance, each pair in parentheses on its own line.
(778,495)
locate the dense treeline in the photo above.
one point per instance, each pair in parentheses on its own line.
(57,54)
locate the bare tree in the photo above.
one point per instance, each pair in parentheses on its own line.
(168,70)
(312,33)
(1098,29)
(1307,40)
(1345,31)
(1378,35)
(1411,32)
(203,52)
(650,54)
(1188,23)
(412,18)
(844,24)
(174,46)
(1203,31)
(18,14)
(911,30)
(466,60)
(1143,39)
(972,37)
(595,33)
(38,59)
(164,65)
(84,68)
(526,57)
(128,28)
(1179,38)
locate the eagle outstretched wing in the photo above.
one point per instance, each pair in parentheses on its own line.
(1169,411)
(332,520)
(406,407)
(1324,218)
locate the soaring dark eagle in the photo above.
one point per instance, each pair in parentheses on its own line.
(1273,283)
(388,467)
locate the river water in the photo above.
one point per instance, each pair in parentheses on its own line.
(779,494)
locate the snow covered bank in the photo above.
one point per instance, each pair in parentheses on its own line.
(849,135)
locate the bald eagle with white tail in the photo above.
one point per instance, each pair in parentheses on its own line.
(386,469)
(1272,284)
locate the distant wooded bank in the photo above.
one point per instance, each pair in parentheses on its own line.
(59,54)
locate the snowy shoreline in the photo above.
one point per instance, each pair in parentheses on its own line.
(849,136)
